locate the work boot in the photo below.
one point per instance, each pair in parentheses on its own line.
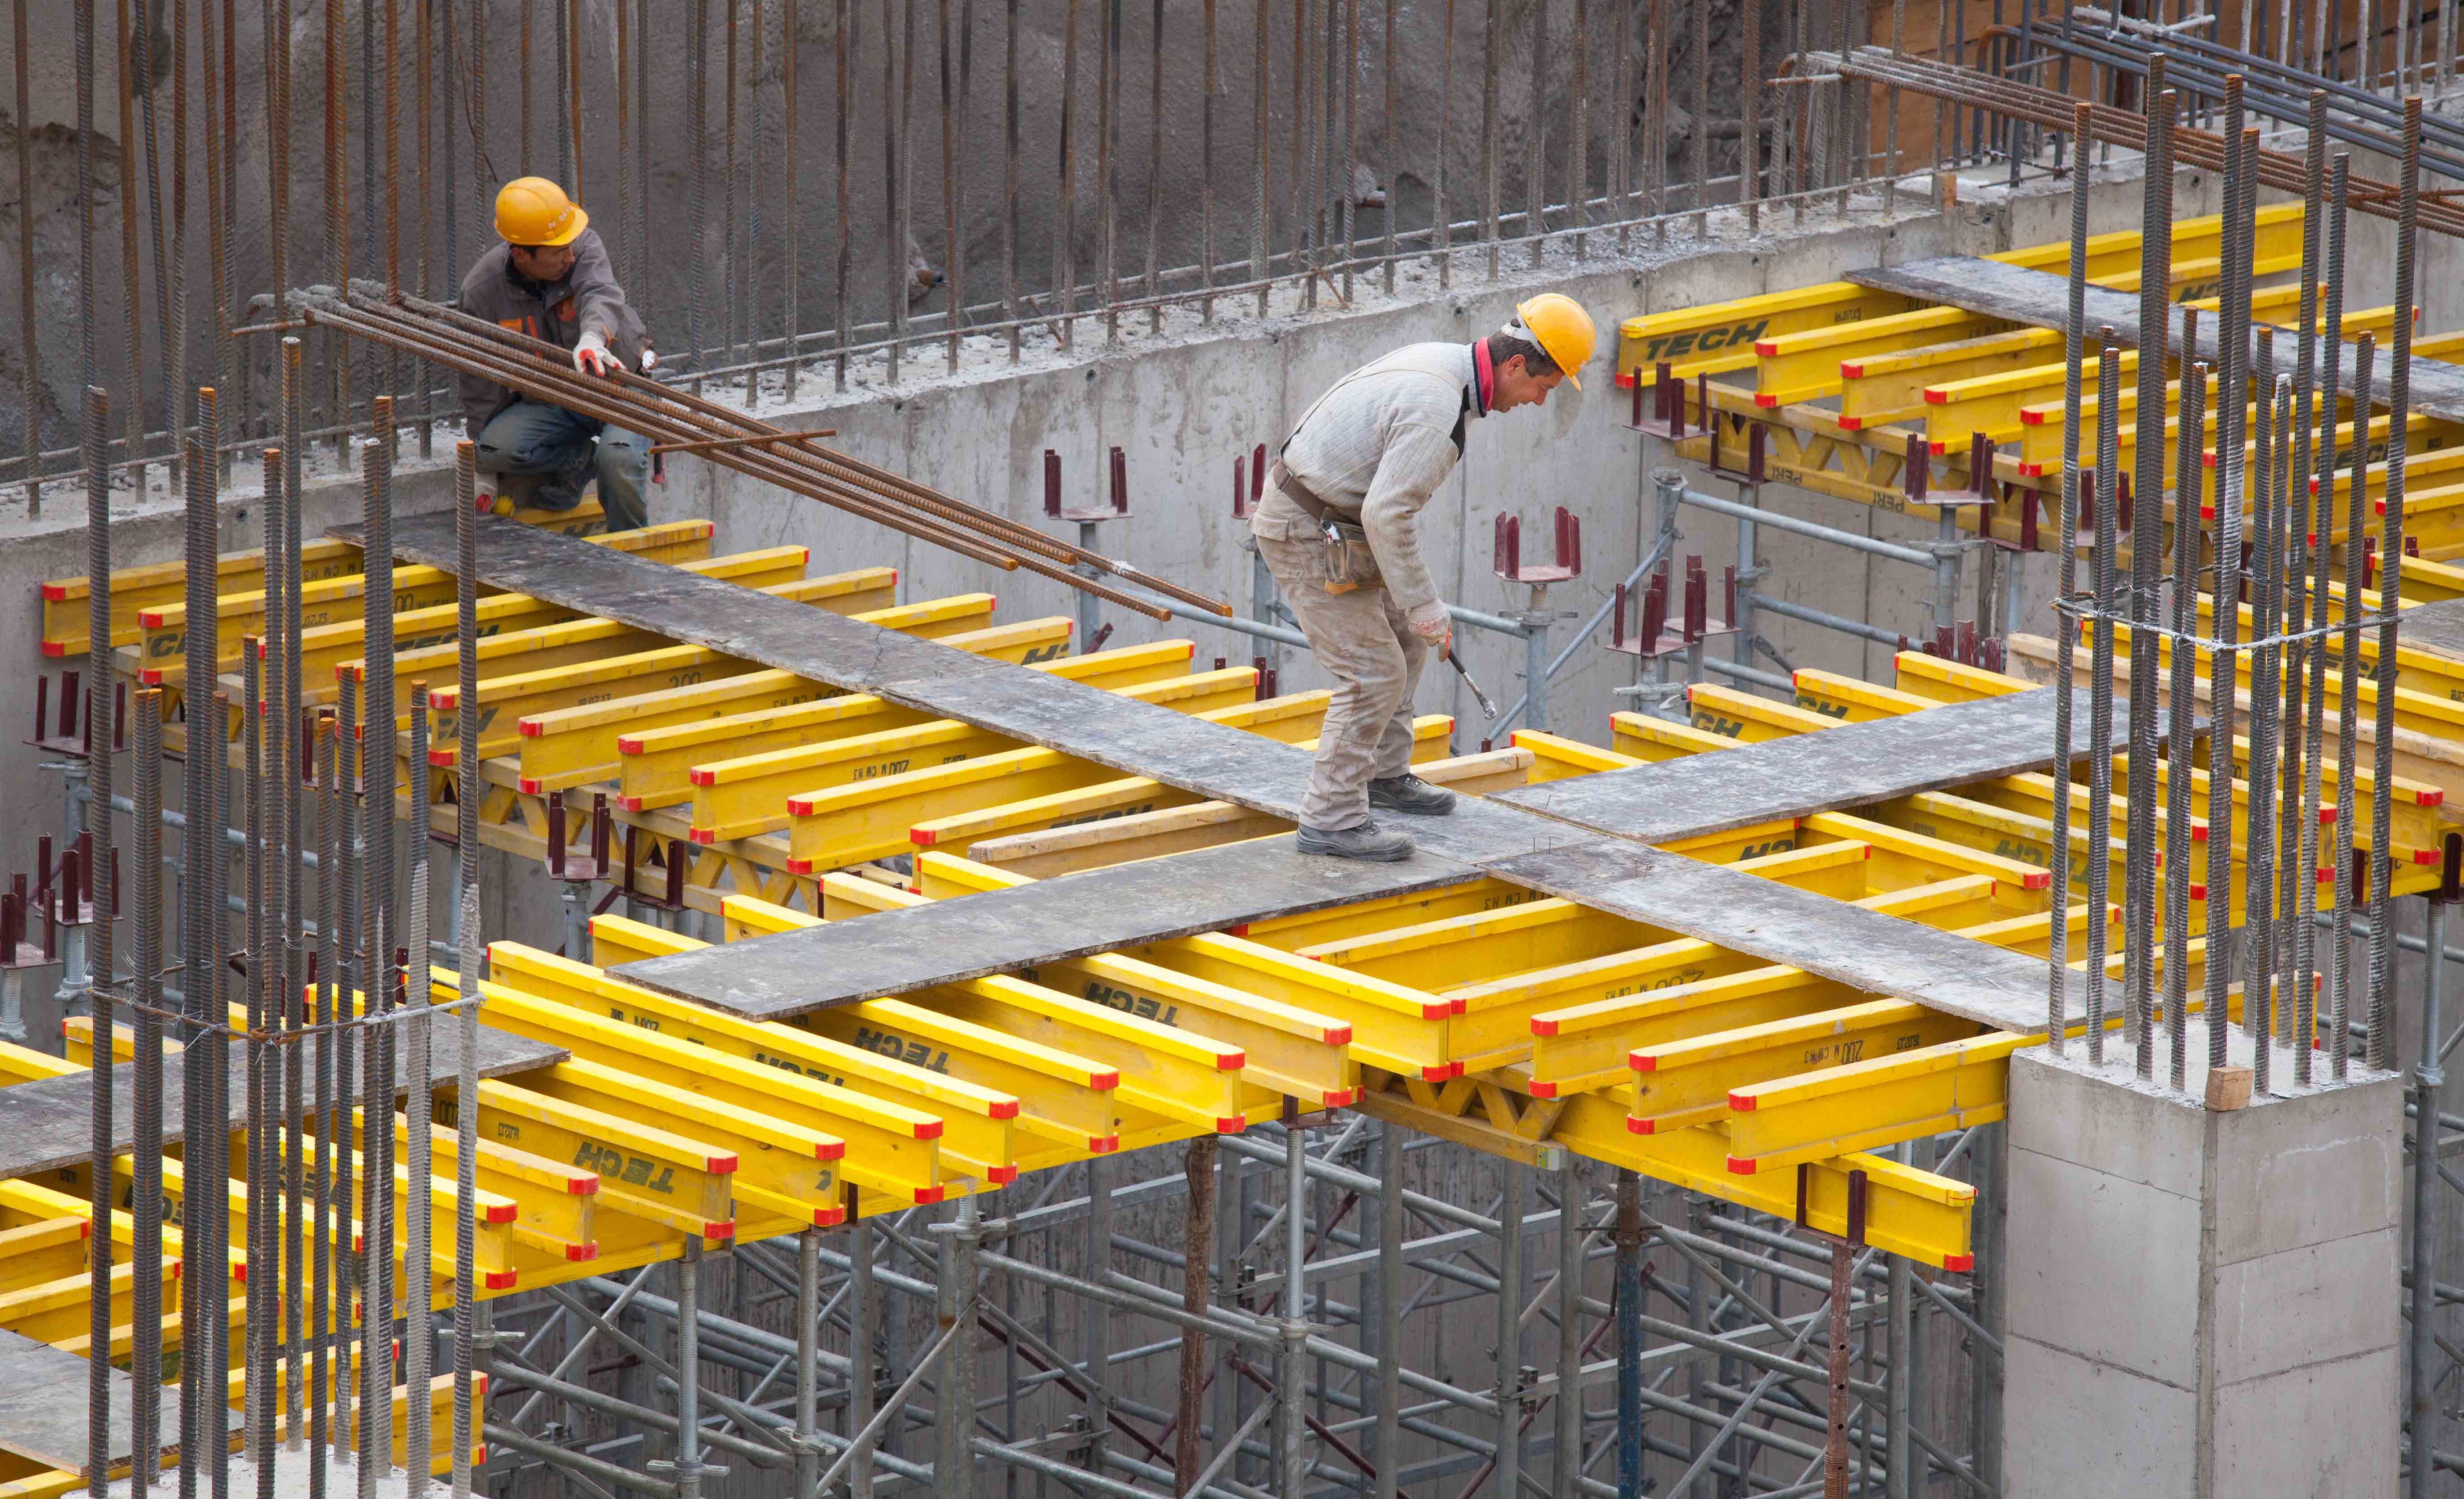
(564,491)
(1408,793)
(1367,841)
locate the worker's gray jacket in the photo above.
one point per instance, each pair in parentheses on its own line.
(1378,444)
(556,310)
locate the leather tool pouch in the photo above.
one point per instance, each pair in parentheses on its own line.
(1350,564)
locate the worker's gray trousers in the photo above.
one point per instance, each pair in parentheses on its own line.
(1361,638)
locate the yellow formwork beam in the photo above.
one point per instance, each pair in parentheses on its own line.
(578,745)
(655,763)
(321,650)
(1908,1212)
(887,1147)
(1392,1026)
(977,1140)
(67,601)
(1719,337)
(1880,1102)
(567,668)
(1584,1024)
(837,826)
(747,794)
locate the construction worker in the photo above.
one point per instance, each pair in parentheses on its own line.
(1340,530)
(550,279)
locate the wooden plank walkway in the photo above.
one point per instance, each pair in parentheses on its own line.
(1566,841)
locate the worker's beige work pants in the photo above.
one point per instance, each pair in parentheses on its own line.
(1362,640)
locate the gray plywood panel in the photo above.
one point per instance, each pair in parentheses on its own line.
(2042,299)
(2432,627)
(1849,766)
(49,1123)
(43,1404)
(995,931)
(1864,949)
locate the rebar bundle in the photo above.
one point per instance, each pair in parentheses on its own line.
(457,341)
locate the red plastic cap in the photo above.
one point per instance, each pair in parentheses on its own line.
(1231,1123)
(698,775)
(1741,1166)
(1004,1109)
(1001,1175)
(1103,1081)
(1742,1103)
(1544,1090)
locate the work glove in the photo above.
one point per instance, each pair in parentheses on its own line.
(591,356)
(1433,626)
(650,359)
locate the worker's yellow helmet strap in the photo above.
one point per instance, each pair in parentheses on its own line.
(1558,324)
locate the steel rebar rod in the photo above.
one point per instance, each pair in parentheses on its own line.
(2066,596)
(146,1156)
(2146,550)
(469,967)
(2391,563)
(96,432)
(2231,408)
(2100,728)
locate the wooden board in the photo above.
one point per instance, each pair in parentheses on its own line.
(1849,766)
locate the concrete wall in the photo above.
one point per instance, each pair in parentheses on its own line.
(1183,403)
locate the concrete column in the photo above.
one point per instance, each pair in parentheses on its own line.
(2200,1303)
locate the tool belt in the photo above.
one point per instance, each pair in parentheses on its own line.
(1349,563)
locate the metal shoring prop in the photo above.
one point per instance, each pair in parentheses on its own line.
(2179,693)
(2391,568)
(2100,727)
(95,434)
(2231,402)
(2065,628)
(2146,552)
(145,1153)
(468,963)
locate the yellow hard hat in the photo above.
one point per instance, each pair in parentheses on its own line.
(532,210)
(1558,324)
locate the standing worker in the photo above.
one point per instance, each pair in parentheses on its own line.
(1341,533)
(550,279)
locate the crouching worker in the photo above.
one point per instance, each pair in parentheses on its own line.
(550,279)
